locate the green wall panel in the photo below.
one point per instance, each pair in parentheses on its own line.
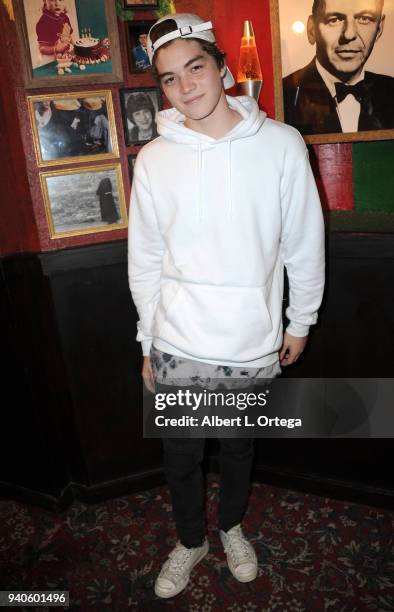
(373,176)
(91,15)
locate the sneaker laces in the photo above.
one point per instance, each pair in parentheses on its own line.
(177,559)
(238,547)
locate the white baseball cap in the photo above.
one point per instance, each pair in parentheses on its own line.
(186,25)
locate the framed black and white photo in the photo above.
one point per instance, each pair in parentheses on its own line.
(334,69)
(85,200)
(139,107)
(68,42)
(73,127)
(137,35)
(141,4)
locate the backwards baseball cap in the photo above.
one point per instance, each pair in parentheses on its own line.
(184,25)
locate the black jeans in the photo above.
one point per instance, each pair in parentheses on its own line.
(182,466)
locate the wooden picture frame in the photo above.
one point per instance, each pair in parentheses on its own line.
(146,99)
(70,128)
(301,96)
(138,58)
(84,200)
(85,52)
(141,5)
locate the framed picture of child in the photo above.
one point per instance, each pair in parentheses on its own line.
(84,200)
(65,42)
(137,36)
(139,107)
(73,127)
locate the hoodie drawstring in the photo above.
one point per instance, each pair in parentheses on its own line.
(199,179)
(229,181)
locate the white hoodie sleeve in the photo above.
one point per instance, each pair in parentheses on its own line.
(145,254)
(302,244)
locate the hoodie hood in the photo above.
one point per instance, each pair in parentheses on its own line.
(171,126)
(170,123)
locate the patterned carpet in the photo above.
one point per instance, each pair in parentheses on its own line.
(314,554)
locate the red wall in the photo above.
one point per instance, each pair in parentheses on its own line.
(24,225)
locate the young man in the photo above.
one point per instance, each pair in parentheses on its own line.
(221,202)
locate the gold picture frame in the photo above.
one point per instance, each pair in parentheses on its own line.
(57,61)
(288,49)
(73,127)
(84,200)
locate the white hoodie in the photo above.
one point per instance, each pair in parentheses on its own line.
(212,224)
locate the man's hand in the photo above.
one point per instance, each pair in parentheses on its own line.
(292,348)
(147,374)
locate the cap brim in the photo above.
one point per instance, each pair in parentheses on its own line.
(228,79)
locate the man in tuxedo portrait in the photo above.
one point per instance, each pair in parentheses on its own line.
(334,92)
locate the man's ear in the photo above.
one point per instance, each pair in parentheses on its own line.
(380,27)
(223,71)
(310,30)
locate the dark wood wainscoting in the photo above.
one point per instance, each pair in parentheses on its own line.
(72,393)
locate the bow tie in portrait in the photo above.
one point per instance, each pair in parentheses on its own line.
(358,90)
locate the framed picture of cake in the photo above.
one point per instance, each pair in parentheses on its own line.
(73,127)
(65,42)
(139,107)
(137,36)
(84,200)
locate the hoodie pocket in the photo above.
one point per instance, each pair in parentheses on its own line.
(217,322)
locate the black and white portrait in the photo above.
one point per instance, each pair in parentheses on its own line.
(337,66)
(139,108)
(84,201)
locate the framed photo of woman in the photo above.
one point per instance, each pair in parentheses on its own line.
(139,107)
(73,127)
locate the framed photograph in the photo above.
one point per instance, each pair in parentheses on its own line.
(334,69)
(139,107)
(73,127)
(131,163)
(84,200)
(66,42)
(137,35)
(141,4)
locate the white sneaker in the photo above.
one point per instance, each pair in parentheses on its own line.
(175,573)
(241,558)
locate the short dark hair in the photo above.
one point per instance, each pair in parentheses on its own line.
(169,25)
(139,101)
(318,5)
